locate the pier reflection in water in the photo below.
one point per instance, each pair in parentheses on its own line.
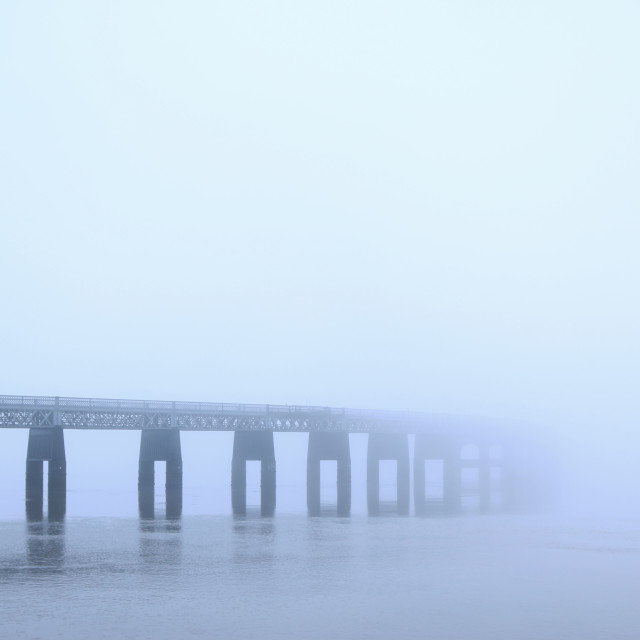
(160,545)
(253,541)
(45,546)
(160,539)
(299,576)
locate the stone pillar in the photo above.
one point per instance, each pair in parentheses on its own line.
(435,447)
(253,445)
(508,479)
(529,476)
(160,445)
(329,446)
(46,443)
(388,446)
(484,479)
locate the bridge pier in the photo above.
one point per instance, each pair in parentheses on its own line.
(446,450)
(388,446)
(253,445)
(46,443)
(160,445)
(484,479)
(484,464)
(509,480)
(511,463)
(329,446)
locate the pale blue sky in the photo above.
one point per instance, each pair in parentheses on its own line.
(425,205)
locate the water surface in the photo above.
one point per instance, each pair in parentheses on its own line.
(292,576)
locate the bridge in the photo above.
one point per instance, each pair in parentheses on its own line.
(439,439)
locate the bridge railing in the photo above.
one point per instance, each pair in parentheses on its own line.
(288,417)
(105,413)
(166,406)
(107,404)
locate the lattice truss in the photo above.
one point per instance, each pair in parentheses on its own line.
(92,413)
(87,413)
(24,418)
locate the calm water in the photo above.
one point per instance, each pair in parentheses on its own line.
(292,576)
(104,573)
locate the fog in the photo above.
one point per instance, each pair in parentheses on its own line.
(421,206)
(390,206)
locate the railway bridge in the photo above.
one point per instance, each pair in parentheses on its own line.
(439,440)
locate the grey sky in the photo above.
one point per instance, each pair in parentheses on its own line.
(396,205)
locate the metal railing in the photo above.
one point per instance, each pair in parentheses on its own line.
(107,413)
(110,404)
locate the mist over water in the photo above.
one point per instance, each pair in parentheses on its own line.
(295,576)
(206,573)
(405,206)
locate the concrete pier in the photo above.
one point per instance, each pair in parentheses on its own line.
(528,477)
(329,446)
(446,450)
(388,446)
(483,464)
(46,444)
(493,471)
(484,478)
(157,446)
(253,445)
(509,479)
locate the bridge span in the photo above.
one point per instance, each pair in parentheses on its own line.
(439,440)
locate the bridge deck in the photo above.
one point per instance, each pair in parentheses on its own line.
(97,413)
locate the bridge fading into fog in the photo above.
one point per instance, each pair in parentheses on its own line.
(439,439)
